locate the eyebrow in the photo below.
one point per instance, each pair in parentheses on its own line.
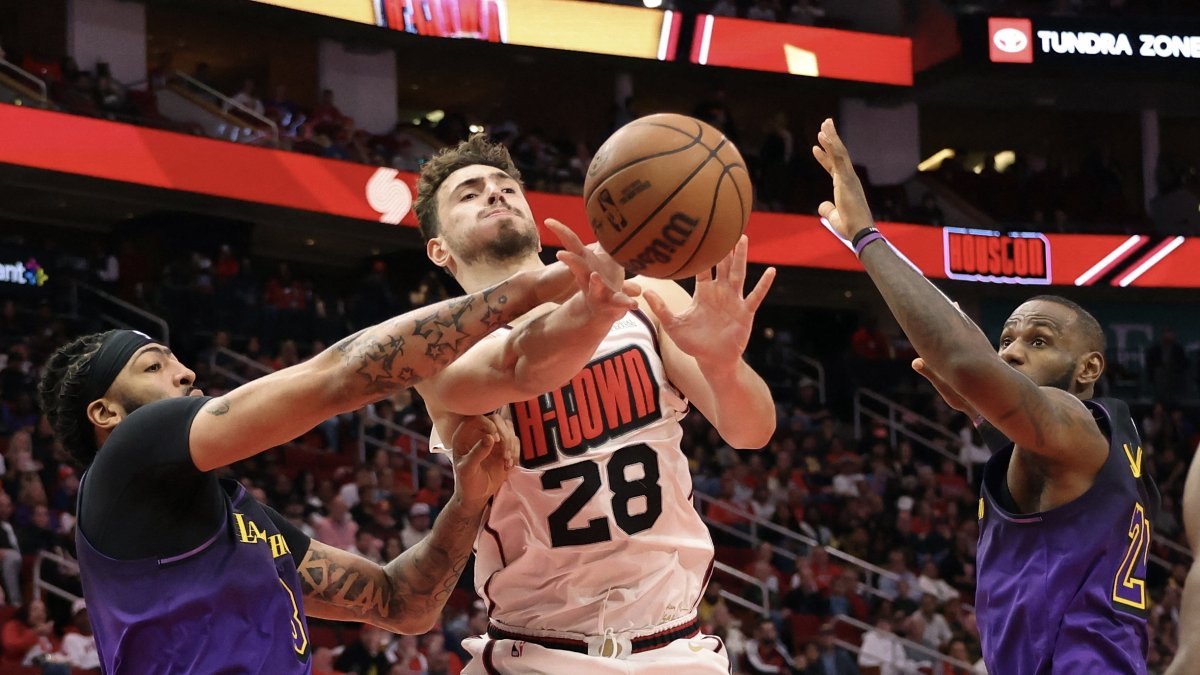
(154,348)
(478,180)
(1039,323)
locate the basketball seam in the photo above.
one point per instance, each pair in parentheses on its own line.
(695,141)
(708,227)
(712,154)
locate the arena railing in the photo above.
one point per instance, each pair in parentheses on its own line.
(903,422)
(208,104)
(110,306)
(40,585)
(870,573)
(764,609)
(935,657)
(817,372)
(418,443)
(220,354)
(24,82)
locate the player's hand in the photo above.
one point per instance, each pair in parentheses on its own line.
(597,276)
(483,449)
(848,212)
(948,394)
(715,328)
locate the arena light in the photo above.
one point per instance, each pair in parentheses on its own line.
(1109,261)
(475,129)
(435,116)
(652,4)
(1003,160)
(934,161)
(1164,249)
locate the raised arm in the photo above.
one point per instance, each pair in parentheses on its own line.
(1043,420)
(703,338)
(362,368)
(542,354)
(407,594)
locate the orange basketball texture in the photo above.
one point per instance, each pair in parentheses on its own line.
(668,196)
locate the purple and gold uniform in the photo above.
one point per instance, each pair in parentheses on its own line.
(1064,591)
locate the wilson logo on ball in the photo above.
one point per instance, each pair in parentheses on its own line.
(660,250)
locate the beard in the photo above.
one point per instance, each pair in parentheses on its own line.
(512,242)
(1065,380)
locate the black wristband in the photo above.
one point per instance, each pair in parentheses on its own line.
(862,234)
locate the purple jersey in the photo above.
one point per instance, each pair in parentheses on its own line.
(1064,591)
(232,605)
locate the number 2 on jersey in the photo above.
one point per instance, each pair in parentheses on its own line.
(623,491)
(1129,588)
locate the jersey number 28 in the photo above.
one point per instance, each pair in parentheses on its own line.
(623,489)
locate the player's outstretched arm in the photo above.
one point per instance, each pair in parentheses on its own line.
(407,594)
(1187,657)
(542,354)
(362,368)
(703,337)
(1043,420)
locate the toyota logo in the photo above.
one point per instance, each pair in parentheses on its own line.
(1011,40)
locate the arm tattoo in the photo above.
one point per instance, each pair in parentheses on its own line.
(221,407)
(407,349)
(409,591)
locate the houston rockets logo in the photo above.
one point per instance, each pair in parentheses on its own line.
(611,396)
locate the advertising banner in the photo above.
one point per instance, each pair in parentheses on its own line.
(802,50)
(160,159)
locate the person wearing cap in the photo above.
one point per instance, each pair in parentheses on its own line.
(417,526)
(185,572)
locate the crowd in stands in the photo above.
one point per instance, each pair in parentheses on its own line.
(360,483)
(1033,191)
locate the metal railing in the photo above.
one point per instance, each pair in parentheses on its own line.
(419,442)
(229,106)
(871,573)
(903,422)
(41,585)
(26,78)
(911,667)
(1174,546)
(817,373)
(147,322)
(762,610)
(222,354)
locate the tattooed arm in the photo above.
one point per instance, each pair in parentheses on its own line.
(1047,421)
(407,594)
(362,368)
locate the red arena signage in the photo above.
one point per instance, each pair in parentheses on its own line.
(149,157)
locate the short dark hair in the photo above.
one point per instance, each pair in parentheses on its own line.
(1093,334)
(475,150)
(61,394)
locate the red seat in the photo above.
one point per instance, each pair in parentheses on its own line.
(805,627)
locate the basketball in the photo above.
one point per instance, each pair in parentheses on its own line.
(668,196)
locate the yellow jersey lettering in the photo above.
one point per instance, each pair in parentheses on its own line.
(1135,460)
(981,508)
(279,546)
(248,532)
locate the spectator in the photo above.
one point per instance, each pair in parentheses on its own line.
(337,529)
(882,649)
(765,653)
(30,633)
(832,659)
(936,632)
(368,655)
(10,552)
(247,97)
(78,644)
(417,526)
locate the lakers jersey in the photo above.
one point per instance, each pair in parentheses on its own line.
(595,528)
(1064,591)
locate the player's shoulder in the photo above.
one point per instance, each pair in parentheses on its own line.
(156,420)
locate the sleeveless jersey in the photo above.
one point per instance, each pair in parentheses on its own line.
(232,605)
(1063,591)
(595,528)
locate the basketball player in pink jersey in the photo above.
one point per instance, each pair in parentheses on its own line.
(592,558)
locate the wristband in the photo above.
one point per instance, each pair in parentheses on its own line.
(864,238)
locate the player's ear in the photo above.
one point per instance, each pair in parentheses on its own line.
(1090,368)
(104,413)
(438,253)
